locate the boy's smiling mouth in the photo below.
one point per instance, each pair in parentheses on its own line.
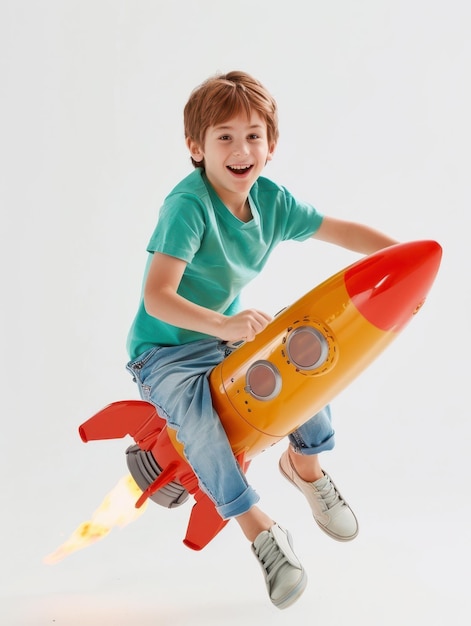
(239,170)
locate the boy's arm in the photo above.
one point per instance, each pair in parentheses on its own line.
(352,235)
(162,301)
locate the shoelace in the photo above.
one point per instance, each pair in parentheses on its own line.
(271,557)
(329,494)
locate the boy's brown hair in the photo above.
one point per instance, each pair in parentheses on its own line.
(223,96)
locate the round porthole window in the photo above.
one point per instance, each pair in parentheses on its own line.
(263,380)
(307,348)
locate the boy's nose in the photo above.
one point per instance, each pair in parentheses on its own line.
(240,148)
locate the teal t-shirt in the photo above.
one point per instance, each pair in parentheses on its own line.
(222,253)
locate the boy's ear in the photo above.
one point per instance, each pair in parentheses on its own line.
(271,151)
(195,150)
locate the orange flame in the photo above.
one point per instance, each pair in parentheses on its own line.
(117,509)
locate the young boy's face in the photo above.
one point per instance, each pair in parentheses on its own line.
(235,153)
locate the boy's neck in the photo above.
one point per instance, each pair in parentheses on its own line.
(237,204)
(243,213)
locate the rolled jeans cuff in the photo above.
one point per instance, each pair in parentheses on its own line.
(298,444)
(240,505)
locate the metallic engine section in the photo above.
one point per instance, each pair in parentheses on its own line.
(145,470)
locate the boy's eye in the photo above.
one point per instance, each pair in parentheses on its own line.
(254,136)
(224,137)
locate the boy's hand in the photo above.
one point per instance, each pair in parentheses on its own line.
(244,325)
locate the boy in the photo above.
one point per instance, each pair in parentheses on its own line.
(215,232)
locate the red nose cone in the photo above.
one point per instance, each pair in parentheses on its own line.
(390,286)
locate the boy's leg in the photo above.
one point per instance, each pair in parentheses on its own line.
(175,380)
(301,466)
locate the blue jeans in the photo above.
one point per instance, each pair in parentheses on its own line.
(175,380)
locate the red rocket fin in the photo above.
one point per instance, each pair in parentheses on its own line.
(126,417)
(205,522)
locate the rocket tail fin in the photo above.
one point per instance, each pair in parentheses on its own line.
(127,417)
(205,522)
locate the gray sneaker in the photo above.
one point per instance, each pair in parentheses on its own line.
(331,512)
(284,575)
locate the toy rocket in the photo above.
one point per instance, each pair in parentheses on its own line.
(270,386)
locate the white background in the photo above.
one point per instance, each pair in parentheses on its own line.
(375,104)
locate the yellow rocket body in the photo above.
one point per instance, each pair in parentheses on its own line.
(314,348)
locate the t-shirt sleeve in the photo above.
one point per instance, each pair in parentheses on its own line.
(180,227)
(302,219)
